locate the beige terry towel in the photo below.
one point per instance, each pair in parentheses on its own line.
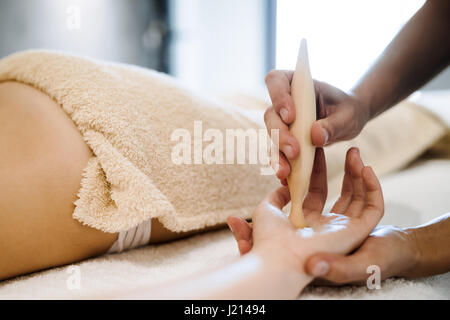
(127,114)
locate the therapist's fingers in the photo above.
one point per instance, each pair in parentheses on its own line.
(279,198)
(242,232)
(279,86)
(287,143)
(340,117)
(330,94)
(282,168)
(319,136)
(339,269)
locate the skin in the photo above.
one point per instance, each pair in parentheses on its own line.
(274,266)
(419,52)
(40,177)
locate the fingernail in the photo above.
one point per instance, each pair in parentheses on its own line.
(321,269)
(325,133)
(229,226)
(284,114)
(288,151)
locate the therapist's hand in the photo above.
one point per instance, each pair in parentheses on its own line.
(341,117)
(392,249)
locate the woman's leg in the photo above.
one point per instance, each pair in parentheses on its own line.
(42,157)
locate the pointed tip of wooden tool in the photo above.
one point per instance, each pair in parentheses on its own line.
(302,58)
(303,43)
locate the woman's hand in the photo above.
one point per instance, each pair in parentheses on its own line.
(392,249)
(351,220)
(341,117)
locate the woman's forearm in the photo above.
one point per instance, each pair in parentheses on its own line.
(431,243)
(419,51)
(257,275)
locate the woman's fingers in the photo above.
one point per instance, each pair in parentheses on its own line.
(345,199)
(374,202)
(318,189)
(287,143)
(358,197)
(279,86)
(361,191)
(242,232)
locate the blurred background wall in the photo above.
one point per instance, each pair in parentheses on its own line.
(214,45)
(118,30)
(344,37)
(222,45)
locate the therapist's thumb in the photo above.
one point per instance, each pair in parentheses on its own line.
(341,124)
(338,269)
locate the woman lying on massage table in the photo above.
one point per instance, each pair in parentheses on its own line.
(41,175)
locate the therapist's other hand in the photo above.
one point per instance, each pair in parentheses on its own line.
(353,217)
(341,117)
(390,248)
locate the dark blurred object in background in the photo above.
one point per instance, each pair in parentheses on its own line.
(129,31)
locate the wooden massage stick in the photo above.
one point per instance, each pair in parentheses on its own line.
(302,91)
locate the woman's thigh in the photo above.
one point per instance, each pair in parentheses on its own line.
(42,157)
